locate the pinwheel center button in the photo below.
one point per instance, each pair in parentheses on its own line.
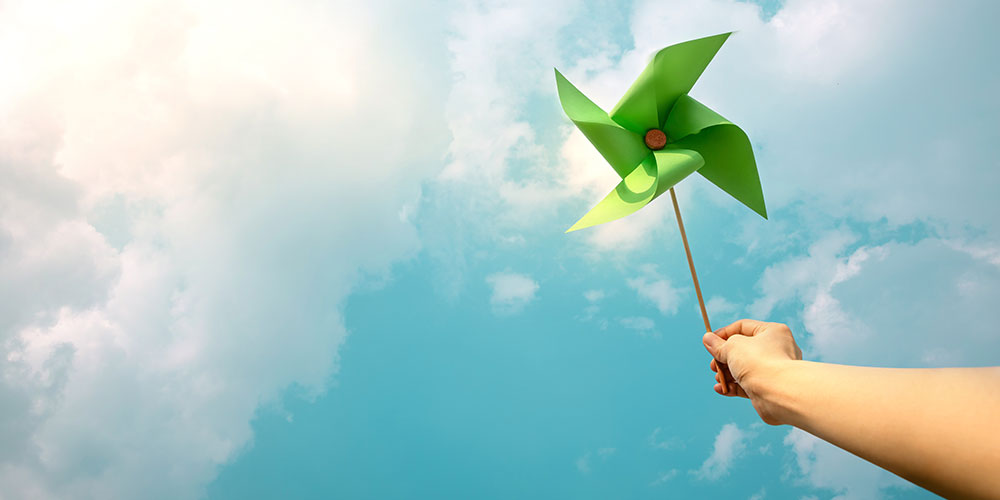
(655,139)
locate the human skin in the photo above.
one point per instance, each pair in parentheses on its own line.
(934,427)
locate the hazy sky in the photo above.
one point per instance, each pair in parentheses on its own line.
(311,249)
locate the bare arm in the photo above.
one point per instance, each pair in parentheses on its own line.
(933,427)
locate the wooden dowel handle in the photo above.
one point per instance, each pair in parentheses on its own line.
(694,277)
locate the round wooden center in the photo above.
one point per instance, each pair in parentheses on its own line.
(655,139)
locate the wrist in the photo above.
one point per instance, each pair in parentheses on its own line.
(777,392)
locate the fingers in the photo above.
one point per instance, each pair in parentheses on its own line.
(714,344)
(746,327)
(726,375)
(734,391)
(733,388)
(715,365)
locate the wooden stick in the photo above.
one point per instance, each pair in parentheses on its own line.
(694,277)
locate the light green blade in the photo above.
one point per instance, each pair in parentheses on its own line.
(729,161)
(673,165)
(653,177)
(621,148)
(671,73)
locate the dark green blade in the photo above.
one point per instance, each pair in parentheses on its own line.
(671,74)
(621,148)
(729,161)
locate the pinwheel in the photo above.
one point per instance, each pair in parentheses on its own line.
(657,135)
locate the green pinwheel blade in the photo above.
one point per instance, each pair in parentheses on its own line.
(653,177)
(621,148)
(671,74)
(729,161)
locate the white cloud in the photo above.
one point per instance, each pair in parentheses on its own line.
(583,463)
(789,279)
(988,253)
(642,325)
(239,161)
(664,477)
(511,291)
(760,495)
(658,291)
(896,304)
(825,466)
(594,296)
(720,310)
(498,61)
(729,445)
(655,441)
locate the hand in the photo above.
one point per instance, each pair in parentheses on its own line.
(751,355)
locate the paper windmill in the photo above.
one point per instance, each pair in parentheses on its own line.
(658,134)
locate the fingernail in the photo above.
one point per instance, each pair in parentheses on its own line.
(711,340)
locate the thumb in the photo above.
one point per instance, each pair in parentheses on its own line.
(715,346)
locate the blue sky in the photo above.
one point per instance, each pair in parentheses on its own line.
(315,250)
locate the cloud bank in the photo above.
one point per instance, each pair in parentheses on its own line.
(188,192)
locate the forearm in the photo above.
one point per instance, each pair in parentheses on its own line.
(934,427)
